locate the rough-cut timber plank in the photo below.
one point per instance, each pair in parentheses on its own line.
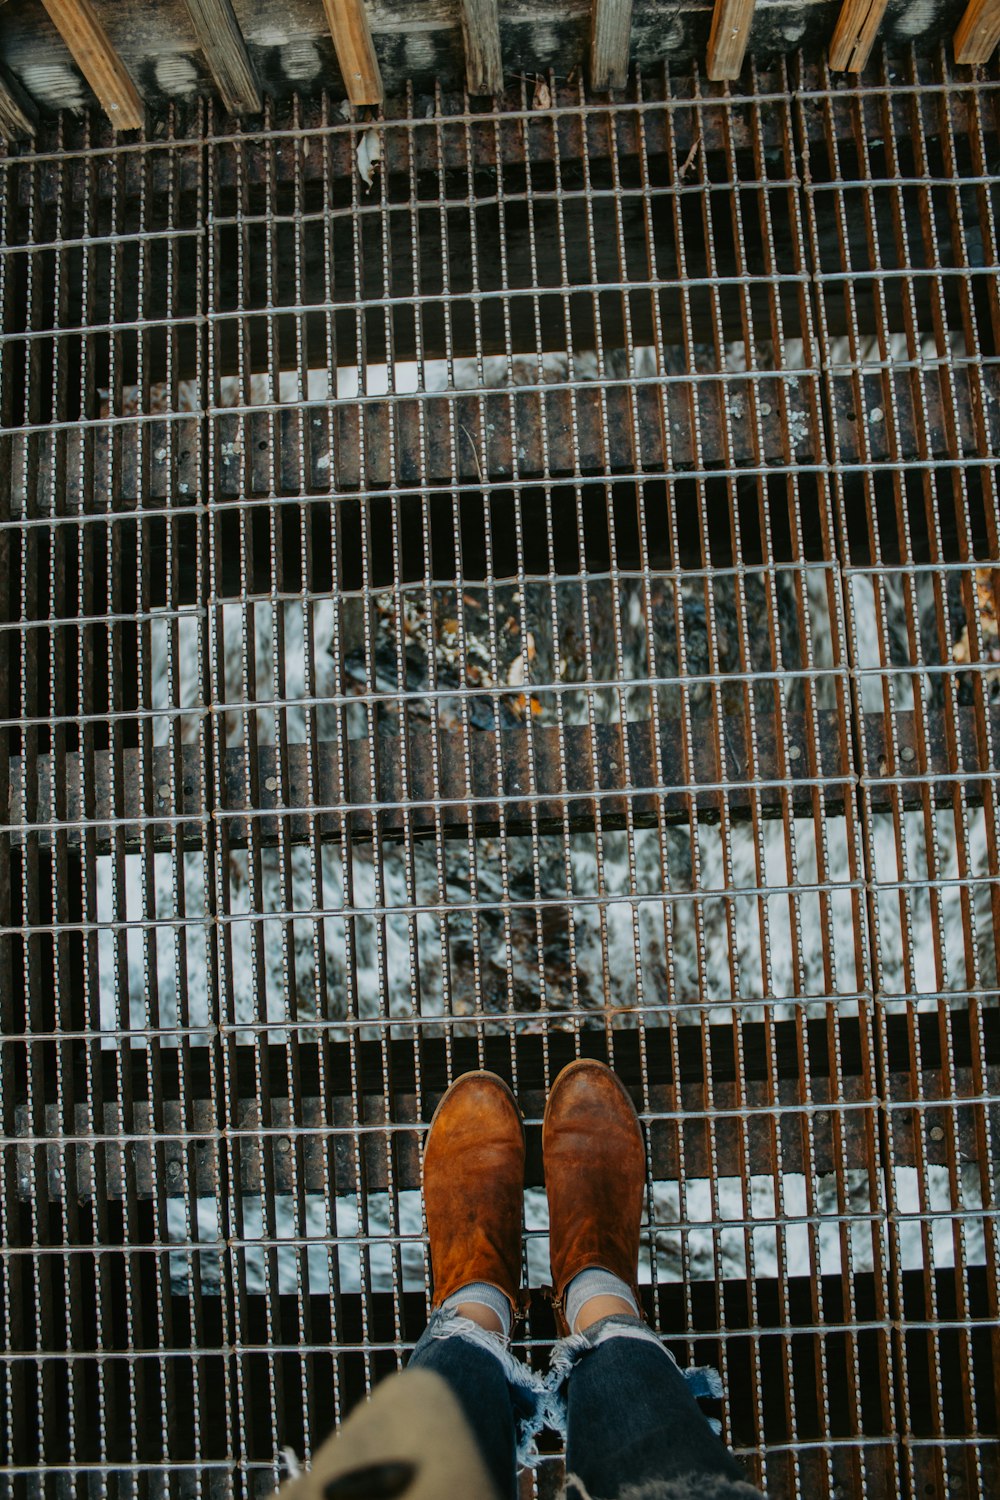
(342,1064)
(352,41)
(322,1142)
(419,41)
(727,42)
(978,32)
(298,799)
(319,1142)
(17,113)
(80,28)
(221,40)
(610,36)
(481,35)
(854,37)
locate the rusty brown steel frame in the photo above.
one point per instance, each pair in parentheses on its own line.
(543,603)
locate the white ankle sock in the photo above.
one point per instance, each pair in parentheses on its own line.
(595,1282)
(487,1296)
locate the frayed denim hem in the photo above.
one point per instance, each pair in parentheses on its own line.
(703,1381)
(534,1407)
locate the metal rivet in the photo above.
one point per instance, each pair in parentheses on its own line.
(284,1145)
(794,751)
(271,783)
(908,753)
(823,1117)
(937,1132)
(163,790)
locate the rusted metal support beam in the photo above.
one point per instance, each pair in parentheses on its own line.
(352,41)
(610,40)
(481,35)
(855,33)
(727,42)
(83,32)
(978,32)
(221,40)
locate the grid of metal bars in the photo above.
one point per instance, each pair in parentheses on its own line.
(540,602)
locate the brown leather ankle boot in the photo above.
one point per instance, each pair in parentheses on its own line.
(595,1168)
(473,1174)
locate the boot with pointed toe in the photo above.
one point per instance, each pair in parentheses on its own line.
(595,1169)
(473,1179)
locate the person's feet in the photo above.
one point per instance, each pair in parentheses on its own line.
(473,1174)
(595,1168)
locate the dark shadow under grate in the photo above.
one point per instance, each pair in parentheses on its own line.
(543,603)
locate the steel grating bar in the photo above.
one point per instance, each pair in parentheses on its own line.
(893,618)
(539,603)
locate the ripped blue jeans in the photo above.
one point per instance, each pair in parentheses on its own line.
(629,1416)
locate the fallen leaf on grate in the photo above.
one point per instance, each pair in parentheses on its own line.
(988,630)
(689,160)
(369,155)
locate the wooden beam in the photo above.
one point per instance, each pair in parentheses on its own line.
(727,42)
(481,34)
(978,32)
(352,41)
(610,43)
(18,116)
(855,33)
(221,40)
(80,28)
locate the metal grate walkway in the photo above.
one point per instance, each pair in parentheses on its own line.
(542,602)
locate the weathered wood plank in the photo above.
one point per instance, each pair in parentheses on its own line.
(352,41)
(323,1143)
(978,32)
(727,42)
(334,797)
(83,32)
(854,37)
(481,36)
(18,116)
(421,43)
(221,40)
(610,38)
